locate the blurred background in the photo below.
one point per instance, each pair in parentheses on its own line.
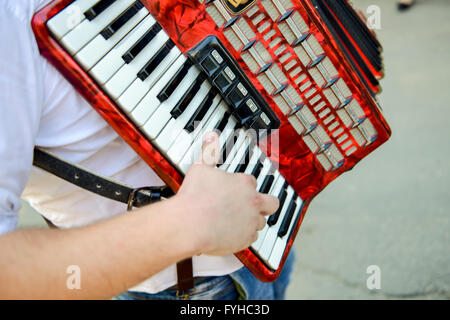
(393,209)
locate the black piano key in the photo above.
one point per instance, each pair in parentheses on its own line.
(274,217)
(267,184)
(257,169)
(187,97)
(297,218)
(244,162)
(98,8)
(221,125)
(229,145)
(109,31)
(147,70)
(174,82)
(284,227)
(201,111)
(141,43)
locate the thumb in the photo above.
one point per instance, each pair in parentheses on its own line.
(210,149)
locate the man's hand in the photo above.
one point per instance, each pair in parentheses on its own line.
(224,211)
(214,213)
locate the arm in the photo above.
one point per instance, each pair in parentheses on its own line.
(206,216)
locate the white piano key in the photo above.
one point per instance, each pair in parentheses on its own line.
(138,89)
(99,47)
(281,243)
(174,127)
(147,106)
(267,165)
(227,132)
(186,139)
(239,155)
(128,72)
(272,233)
(278,183)
(79,36)
(162,115)
(195,150)
(241,136)
(254,160)
(113,61)
(69,17)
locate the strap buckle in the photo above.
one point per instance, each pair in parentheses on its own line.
(185,294)
(147,195)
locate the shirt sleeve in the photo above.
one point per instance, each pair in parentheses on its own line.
(20,109)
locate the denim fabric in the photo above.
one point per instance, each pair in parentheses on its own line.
(238,285)
(254,289)
(212,288)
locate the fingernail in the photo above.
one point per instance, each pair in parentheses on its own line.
(209,137)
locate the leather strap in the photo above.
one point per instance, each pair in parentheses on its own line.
(97,184)
(133,197)
(185,276)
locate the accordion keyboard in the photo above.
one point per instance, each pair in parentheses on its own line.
(289,85)
(168,97)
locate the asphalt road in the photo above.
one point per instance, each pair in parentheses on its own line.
(392,209)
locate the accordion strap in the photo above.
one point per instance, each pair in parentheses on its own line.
(132,197)
(99,185)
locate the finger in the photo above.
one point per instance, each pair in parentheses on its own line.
(248,179)
(261,223)
(269,204)
(210,150)
(253,239)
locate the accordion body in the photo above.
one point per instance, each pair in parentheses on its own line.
(304,71)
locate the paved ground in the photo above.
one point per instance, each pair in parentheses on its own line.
(392,210)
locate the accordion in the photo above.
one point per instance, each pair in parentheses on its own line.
(290,85)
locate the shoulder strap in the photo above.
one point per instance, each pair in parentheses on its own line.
(83,178)
(133,197)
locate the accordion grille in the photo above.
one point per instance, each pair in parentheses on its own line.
(274,40)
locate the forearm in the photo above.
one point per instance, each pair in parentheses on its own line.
(112,256)
(206,216)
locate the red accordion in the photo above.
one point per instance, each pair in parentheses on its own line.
(304,72)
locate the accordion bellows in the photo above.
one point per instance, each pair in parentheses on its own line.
(305,71)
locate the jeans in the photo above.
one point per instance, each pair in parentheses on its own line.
(240,284)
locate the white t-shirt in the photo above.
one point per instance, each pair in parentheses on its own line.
(39,107)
